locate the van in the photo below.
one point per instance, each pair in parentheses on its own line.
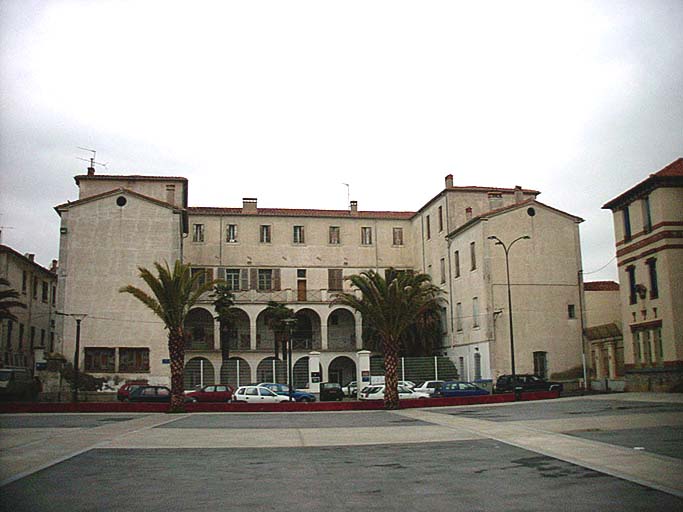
(17,383)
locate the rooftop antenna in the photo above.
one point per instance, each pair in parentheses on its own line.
(2,228)
(93,163)
(348,194)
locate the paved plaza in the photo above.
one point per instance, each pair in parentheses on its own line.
(611,452)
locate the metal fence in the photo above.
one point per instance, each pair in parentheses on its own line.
(418,369)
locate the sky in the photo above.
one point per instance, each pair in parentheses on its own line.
(287,101)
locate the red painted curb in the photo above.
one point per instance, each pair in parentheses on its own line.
(365,405)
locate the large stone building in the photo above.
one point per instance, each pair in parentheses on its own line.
(648,226)
(34,328)
(300,258)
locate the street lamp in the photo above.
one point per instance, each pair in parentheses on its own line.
(507,248)
(289,322)
(78,317)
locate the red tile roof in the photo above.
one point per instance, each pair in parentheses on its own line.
(601,286)
(127,177)
(286,212)
(112,192)
(675,168)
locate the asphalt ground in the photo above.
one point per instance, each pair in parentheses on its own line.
(478,475)
(619,453)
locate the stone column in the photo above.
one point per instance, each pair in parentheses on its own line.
(612,360)
(323,334)
(252,332)
(216,335)
(359,331)
(314,375)
(362,370)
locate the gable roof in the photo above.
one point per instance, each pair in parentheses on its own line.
(26,259)
(601,332)
(509,208)
(669,176)
(65,206)
(601,286)
(127,177)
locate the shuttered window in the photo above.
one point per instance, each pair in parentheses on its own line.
(335,279)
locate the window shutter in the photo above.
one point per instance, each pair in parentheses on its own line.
(253,278)
(221,273)
(277,284)
(244,279)
(334,279)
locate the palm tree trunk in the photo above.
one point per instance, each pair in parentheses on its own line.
(176,351)
(390,374)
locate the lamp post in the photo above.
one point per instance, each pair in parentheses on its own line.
(77,351)
(507,248)
(289,322)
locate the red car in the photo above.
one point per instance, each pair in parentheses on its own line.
(217,393)
(123,394)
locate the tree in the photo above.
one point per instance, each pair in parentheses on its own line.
(174,293)
(223,302)
(275,315)
(7,301)
(390,307)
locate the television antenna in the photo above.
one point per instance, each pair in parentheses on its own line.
(348,194)
(91,160)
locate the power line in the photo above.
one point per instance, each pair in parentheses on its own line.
(594,271)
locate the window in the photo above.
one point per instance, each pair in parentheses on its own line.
(335,279)
(652,270)
(54,294)
(366,236)
(42,338)
(298,236)
(428,227)
(133,359)
(440,218)
(205,275)
(100,359)
(647,348)
(301,273)
(541,364)
(265,280)
(198,232)
(444,321)
(473,256)
(24,281)
(10,326)
(659,348)
(45,292)
(32,339)
(647,215)
(21,336)
(35,287)
(458,316)
(398,236)
(442,270)
(231,233)
(264,234)
(477,366)
(475,312)
(627,223)
(335,235)
(232,279)
(637,353)
(571,311)
(456,257)
(631,271)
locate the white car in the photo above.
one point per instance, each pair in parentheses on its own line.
(429,386)
(377,393)
(257,395)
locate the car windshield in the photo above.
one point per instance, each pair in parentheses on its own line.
(5,376)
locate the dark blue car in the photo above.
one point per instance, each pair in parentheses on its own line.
(283,389)
(459,388)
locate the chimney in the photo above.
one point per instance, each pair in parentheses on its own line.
(31,257)
(54,266)
(249,205)
(354,207)
(468,213)
(449,181)
(519,195)
(91,171)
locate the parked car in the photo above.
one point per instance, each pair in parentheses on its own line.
(124,391)
(258,395)
(330,391)
(351,388)
(429,386)
(283,389)
(215,393)
(525,382)
(407,383)
(404,393)
(452,388)
(153,394)
(17,383)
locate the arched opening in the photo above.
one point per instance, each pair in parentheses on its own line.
(301,373)
(306,333)
(271,370)
(198,372)
(265,337)
(342,369)
(341,330)
(235,334)
(199,330)
(235,372)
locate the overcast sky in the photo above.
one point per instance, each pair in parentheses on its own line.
(287,100)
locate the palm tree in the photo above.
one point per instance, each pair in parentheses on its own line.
(7,301)
(173,295)
(275,315)
(223,302)
(390,307)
